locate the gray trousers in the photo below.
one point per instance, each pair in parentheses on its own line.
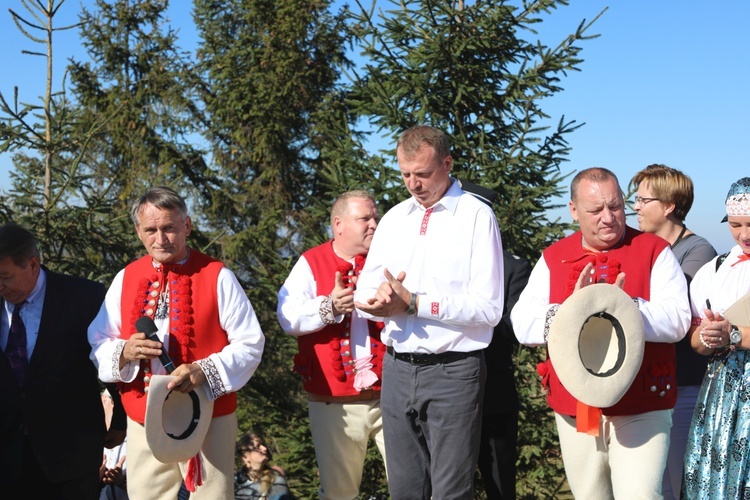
(432,417)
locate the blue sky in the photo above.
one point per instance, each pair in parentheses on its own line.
(666,82)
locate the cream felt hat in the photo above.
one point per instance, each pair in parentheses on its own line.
(176,423)
(596,344)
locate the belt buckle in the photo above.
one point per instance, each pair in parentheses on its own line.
(412,360)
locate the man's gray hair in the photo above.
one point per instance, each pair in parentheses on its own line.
(161,197)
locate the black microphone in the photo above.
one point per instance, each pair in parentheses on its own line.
(147,326)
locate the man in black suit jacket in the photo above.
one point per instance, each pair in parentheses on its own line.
(497,447)
(497,442)
(52,425)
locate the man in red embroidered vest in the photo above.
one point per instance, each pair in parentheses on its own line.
(624,453)
(340,353)
(435,274)
(205,323)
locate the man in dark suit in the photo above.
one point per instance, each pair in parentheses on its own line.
(52,424)
(497,447)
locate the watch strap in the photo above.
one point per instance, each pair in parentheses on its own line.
(412,308)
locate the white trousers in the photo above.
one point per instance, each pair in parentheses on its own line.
(625,462)
(340,433)
(149,479)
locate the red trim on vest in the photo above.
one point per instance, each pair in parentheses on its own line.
(655,385)
(324,359)
(194,324)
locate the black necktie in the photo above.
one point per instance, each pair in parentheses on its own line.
(15,350)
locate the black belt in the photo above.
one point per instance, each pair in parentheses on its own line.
(417,358)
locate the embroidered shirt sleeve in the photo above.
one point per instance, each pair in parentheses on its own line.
(548,319)
(213,377)
(128,371)
(326,310)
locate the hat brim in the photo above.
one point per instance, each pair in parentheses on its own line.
(596,343)
(176,423)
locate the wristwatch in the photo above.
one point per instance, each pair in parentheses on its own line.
(412,309)
(735,336)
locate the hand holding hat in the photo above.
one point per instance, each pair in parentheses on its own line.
(596,343)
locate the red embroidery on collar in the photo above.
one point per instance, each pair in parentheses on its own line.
(425,220)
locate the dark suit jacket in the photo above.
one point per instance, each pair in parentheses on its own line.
(500,395)
(59,405)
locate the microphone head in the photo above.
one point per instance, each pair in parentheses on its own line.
(146,325)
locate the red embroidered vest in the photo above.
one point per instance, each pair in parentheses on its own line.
(655,386)
(325,360)
(194,327)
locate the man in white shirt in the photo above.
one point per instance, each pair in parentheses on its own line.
(620,453)
(434,274)
(207,326)
(340,356)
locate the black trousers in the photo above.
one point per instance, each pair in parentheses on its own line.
(498,455)
(32,483)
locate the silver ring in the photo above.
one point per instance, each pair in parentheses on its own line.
(140,350)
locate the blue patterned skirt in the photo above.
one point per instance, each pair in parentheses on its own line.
(717,459)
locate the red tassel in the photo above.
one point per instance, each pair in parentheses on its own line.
(194,475)
(587,418)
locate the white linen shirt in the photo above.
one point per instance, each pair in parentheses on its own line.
(722,287)
(235,363)
(298,309)
(666,316)
(456,268)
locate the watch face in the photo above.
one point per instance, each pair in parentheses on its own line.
(735,337)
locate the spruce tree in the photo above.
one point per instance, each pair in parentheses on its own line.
(52,193)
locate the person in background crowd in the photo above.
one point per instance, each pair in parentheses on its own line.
(112,473)
(434,274)
(52,428)
(717,459)
(256,479)
(340,353)
(623,454)
(205,323)
(663,200)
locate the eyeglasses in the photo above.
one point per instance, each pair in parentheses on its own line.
(642,201)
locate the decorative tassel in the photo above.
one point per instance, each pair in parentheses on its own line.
(587,419)
(195,473)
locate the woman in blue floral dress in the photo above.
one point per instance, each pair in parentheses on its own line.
(717,460)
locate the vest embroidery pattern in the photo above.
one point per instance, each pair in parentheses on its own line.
(180,315)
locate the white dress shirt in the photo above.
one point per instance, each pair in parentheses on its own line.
(235,363)
(298,309)
(31,315)
(456,268)
(665,315)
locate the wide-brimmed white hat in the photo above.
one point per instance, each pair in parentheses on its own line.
(176,423)
(596,344)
